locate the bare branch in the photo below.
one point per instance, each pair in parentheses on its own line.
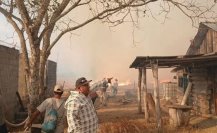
(88,21)
(21,36)
(41,12)
(6,13)
(56,17)
(23,12)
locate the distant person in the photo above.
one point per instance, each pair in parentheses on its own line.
(114,87)
(104,86)
(81,114)
(93,95)
(3,128)
(54,102)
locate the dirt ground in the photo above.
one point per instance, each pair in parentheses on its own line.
(120,117)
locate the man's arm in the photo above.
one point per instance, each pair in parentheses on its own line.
(32,118)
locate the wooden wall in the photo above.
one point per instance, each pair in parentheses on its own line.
(209,43)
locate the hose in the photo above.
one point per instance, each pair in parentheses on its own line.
(16,125)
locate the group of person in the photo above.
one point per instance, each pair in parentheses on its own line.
(78,109)
(103,90)
(101,87)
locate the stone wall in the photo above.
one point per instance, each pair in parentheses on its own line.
(201,95)
(9,64)
(200,92)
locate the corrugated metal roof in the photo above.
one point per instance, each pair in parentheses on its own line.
(175,61)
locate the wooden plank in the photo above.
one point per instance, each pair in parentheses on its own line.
(151,104)
(177,106)
(145,95)
(187,92)
(173,117)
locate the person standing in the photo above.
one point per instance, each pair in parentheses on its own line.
(3,128)
(81,114)
(54,102)
(115,85)
(93,95)
(103,89)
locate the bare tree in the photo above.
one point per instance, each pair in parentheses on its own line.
(35,21)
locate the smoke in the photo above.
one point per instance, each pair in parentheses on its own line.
(99,51)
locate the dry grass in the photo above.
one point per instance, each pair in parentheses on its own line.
(134,126)
(140,126)
(124,126)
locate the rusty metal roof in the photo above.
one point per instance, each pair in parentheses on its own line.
(175,61)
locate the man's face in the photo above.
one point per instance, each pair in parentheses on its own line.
(85,89)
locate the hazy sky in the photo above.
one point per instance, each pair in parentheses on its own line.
(97,51)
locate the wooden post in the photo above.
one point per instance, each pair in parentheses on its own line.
(179,115)
(154,68)
(139,91)
(151,105)
(145,95)
(173,117)
(185,97)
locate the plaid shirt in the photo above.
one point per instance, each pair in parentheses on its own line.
(81,114)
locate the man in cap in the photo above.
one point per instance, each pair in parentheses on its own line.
(54,102)
(81,114)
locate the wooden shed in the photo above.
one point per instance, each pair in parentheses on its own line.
(203,77)
(198,66)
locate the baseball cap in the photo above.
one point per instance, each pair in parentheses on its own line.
(58,88)
(81,81)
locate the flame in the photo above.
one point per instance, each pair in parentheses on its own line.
(165,80)
(125,83)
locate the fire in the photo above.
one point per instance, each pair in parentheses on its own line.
(165,80)
(124,83)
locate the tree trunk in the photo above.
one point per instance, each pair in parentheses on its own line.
(44,56)
(42,72)
(34,79)
(33,89)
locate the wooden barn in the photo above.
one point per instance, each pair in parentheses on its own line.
(196,72)
(203,76)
